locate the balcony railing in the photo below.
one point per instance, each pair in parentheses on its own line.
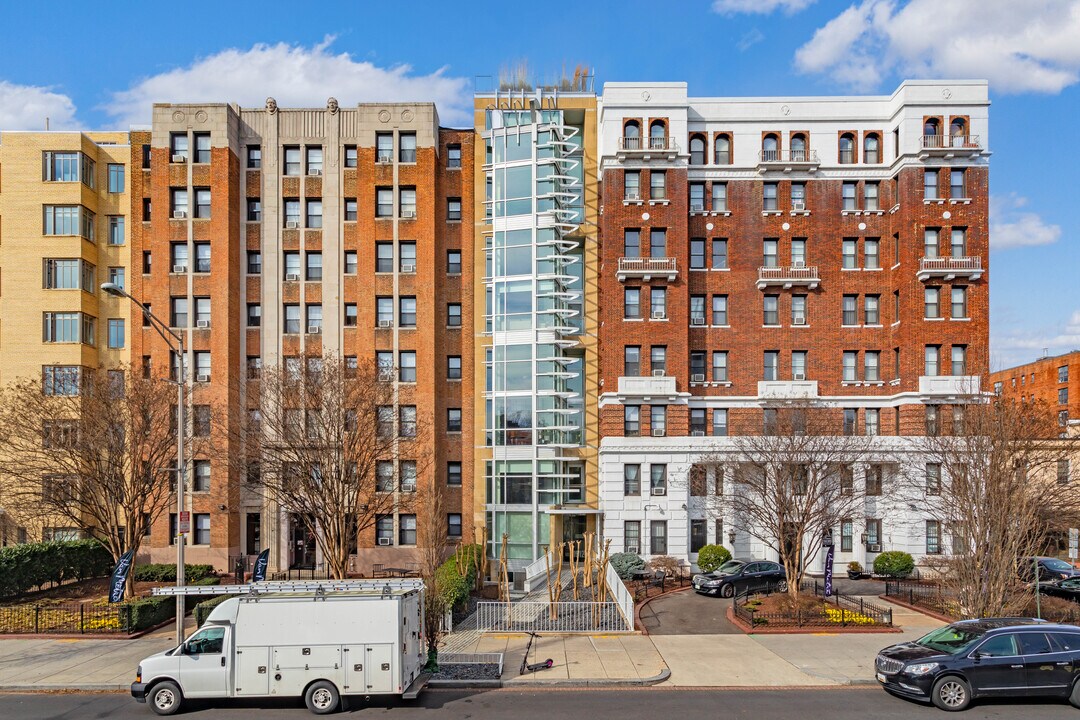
(946,145)
(800,158)
(949,386)
(788,276)
(644,147)
(648,387)
(647,268)
(950,267)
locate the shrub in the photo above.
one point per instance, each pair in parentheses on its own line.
(202,610)
(453,586)
(854,566)
(30,565)
(204,582)
(894,563)
(148,612)
(626,564)
(668,564)
(711,557)
(166,572)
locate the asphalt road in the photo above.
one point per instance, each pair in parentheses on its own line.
(645,703)
(687,613)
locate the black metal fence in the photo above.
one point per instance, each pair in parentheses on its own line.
(310,573)
(67,619)
(931,597)
(880,615)
(837,610)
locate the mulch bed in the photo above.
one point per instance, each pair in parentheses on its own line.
(87,591)
(781,615)
(467,671)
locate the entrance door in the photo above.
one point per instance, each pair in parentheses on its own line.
(574,531)
(302,544)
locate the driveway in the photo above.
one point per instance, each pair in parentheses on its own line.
(687,613)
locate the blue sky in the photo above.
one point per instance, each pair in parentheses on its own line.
(95,66)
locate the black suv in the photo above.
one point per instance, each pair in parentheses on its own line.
(739,576)
(1050,569)
(992,657)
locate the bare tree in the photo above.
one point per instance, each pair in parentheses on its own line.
(94,450)
(320,437)
(990,483)
(433,548)
(793,484)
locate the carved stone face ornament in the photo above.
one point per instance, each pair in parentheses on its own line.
(332,105)
(271,105)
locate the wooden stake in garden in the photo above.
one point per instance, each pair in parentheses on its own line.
(482,559)
(574,566)
(504,577)
(550,587)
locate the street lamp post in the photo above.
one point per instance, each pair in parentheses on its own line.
(170,337)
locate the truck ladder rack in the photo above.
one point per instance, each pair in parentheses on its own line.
(288,586)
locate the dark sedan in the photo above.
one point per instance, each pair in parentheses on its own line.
(993,657)
(1068,589)
(1050,569)
(739,576)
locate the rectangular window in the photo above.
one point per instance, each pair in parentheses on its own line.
(350,210)
(930,242)
(658,479)
(632,185)
(407,257)
(453,209)
(632,536)
(632,361)
(849,372)
(798,310)
(254,210)
(658,303)
(720,422)
(384,529)
(930,360)
(933,478)
(407,312)
(697,253)
(771,314)
(116,178)
(254,157)
(631,479)
(849,254)
(871,259)
(719,254)
(407,366)
(453,473)
(719,310)
(697,419)
(406,529)
(631,420)
(314,318)
(313,217)
(202,257)
(116,333)
(870,196)
(850,312)
(407,420)
(658,537)
(658,419)
(453,315)
(69,220)
(254,262)
(453,367)
(1063,472)
(1063,374)
(771,365)
(873,421)
(202,147)
(657,185)
(847,536)
(314,159)
(292,160)
(720,366)
(932,303)
(930,185)
(632,303)
(407,147)
(697,197)
(798,365)
(959,360)
(179,312)
(959,307)
(848,201)
(178,146)
(872,366)
(872,309)
(631,243)
(202,476)
(67,167)
(957,186)
(60,380)
(768,197)
(658,359)
(699,534)
(697,309)
(453,157)
(769,250)
(201,528)
(407,203)
(851,420)
(384,202)
(958,242)
(933,537)
(874,475)
(384,257)
(658,243)
(453,262)
(292,319)
(798,196)
(453,420)
(200,422)
(719,197)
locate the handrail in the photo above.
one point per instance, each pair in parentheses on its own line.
(782,272)
(641,264)
(788,156)
(640,144)
(943,142)
(620,595)
(973,262)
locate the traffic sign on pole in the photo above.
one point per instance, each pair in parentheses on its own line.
(183,524)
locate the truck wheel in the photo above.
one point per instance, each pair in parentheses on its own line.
(165,698)
(322,697)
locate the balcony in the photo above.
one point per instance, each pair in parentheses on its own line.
(949,268)
(647,148)
(647,268)
(947,146)
(788,160)
(788,276)
(942,388)
(648,388)
(787,390)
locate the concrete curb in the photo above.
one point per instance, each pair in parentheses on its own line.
(526,684)
(89,688)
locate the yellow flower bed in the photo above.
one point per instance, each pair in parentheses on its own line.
(20,619)
(847,616)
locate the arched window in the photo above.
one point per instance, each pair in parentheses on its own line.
(632,136)
(657,135)
(847,149)
(958,132)
(798,148)
(871,145)
(722,150)
(770,148)
(697,150)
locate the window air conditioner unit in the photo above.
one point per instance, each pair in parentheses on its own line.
(408,214)
(697,433)
(292,277)
(202,378)
(798,376)
(408,267)
(202,323)
(659,315)
(798,320)
(697,207)
(179,268)
(659,491)
(658,432)
(315,172)
(292,224)
(700,377)
(632,196)
(876,547)
(798,263)
(798,205)
(384,541)
(658,373)
(179,158)
(179,214)
(697,321)
(385,157)
(386,375)
(386,323)
(314,329)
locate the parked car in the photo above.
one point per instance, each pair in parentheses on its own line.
(739,576)
(1068,588)
(1050,569)
(992,657)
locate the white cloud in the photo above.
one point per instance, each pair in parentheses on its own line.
(25,107)
(1011,227)
(1018,46)
(296,76)
(1021,343)
(759,7)
(750,39)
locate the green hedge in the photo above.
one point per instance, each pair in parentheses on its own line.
(711,557)
(894,563)
(453,586)
(202,610)
(31,565)
(151,611)
(166,572)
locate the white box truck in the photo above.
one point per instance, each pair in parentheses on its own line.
(318,641)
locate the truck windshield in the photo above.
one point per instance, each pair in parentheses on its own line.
(950,639)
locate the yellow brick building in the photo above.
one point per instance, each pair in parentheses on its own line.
(65,223)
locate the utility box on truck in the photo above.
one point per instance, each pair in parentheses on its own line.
(318,641)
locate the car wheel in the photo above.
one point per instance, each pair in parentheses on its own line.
(165,698)
(1074,697)
(727,591)
(781,586)
(951,693)
(322,697)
